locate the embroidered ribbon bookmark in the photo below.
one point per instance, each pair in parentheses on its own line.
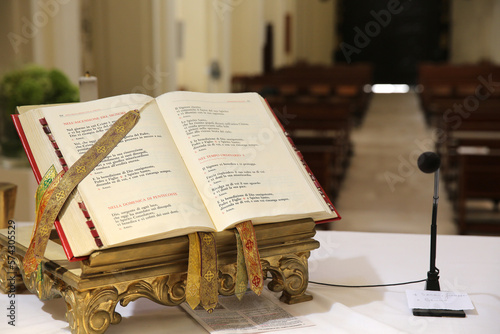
(252,257)
(194,271)
(209,284)
(44,191)
(69,181)
(45,182)
(241,269)
(41,193)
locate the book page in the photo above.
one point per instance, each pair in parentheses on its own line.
(239,158)
(45,156)
(142,188)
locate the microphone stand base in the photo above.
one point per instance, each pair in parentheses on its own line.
(432,283)
(438,313)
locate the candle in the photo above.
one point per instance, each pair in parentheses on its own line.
(88,88)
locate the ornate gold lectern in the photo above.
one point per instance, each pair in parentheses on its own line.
(156,270)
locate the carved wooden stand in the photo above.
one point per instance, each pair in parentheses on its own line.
(156,270)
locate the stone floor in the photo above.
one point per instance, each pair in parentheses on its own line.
(384,191)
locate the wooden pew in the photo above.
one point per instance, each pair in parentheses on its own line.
(479,179)
(444,80)
(451,109)
(481,123)
(465,142)
(321,132)
(324,83)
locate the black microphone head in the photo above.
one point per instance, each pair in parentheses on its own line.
(428,162)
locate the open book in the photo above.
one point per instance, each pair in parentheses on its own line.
(193,162)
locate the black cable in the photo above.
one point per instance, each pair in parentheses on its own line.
(368,286)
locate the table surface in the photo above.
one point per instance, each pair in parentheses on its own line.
(468,264)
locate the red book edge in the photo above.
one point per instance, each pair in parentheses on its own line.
(38,178)
(314,179)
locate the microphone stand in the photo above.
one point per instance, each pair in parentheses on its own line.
(433,273)
(432,283)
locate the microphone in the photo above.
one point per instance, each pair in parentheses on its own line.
(429,162)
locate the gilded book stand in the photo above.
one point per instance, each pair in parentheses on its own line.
(155,270)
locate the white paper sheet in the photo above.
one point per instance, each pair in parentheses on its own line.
(253,314)
(438,300)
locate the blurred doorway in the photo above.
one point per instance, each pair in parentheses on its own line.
(393,35)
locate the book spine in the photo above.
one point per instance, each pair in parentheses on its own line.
(65,167)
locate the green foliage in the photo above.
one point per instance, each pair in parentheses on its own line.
(29,85)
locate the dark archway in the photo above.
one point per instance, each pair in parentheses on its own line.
(393,35)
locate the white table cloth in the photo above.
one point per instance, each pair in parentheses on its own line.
(467,263)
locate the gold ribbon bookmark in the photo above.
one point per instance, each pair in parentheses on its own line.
(194,271)
(75,174)
(209,284)
(252,257)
